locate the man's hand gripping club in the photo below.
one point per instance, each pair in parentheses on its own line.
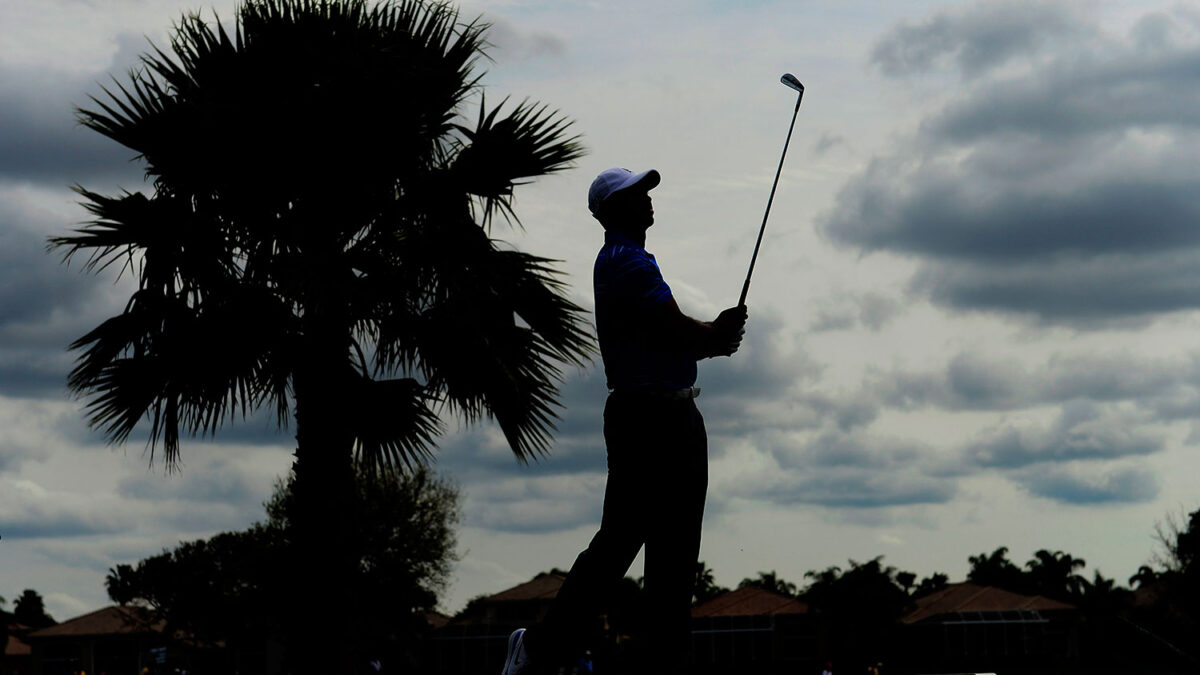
(705,339)
(728,329)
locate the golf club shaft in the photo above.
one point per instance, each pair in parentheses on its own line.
(763,228)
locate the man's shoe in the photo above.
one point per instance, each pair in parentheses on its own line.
(517,662)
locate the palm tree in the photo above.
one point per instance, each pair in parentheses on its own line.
(995,569)
(318,244)
(1145,576)
(705,587)
(1103,594)
(1055,574)
(769,581)
(29,610)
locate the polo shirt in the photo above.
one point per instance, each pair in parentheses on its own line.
(629,290)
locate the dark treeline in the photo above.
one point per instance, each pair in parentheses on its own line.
(862,604)
(226,589)
(1174,575)
(1151,619)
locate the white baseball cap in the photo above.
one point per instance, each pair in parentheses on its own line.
(613,181)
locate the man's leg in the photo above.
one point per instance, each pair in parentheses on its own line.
(598,569)
(673,541)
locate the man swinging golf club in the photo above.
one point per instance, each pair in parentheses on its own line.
(655,438)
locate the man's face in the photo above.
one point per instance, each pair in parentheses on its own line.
(630,209)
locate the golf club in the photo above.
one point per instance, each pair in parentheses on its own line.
(791,82)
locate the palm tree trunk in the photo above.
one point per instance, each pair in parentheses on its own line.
(322,572)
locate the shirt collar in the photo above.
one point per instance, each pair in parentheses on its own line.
(614,237)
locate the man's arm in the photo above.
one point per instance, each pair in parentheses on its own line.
(704,339)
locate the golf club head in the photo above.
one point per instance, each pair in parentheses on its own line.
(791,82)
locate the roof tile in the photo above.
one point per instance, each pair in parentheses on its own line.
(750,601)
(107,621)
(968,597)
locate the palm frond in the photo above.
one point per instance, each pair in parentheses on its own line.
(393,422)
(476,355)
(185,368)
(161,239)
(503,152)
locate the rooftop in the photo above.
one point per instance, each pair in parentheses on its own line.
(968,597)
(750,601)
(541,587)
(15,647)
(107,621)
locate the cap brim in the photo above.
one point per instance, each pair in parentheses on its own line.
(645,181)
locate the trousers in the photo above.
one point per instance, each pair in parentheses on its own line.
(657,451)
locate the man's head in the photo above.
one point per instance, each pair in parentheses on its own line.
(619,199)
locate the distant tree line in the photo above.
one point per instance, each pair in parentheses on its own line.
(227,587)
(1162,600)
(862,604)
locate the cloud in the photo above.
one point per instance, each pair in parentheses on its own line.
(978,39)
(1083,431)
(511,43)
(1065,192)
(846,311)
(535,504)
(827,141)
(31,429)
(763,385)
(44,305)
(975,381)
(1131,485)
(36,283)
(858,490)
(851,469)
(40,140)
(216,480)
(1110,408)
(846,412)
(29,511)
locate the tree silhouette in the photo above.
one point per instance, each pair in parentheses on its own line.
(769,581)
(5,620)
(931,584)
(1054,574)
(227,588)
(706,586)
(224,588)
(317,245)
(822,579)
(996,570)
(1179,541)
(1145,576)
(860,608)
(1178,582)
(30,610)
(1102,594)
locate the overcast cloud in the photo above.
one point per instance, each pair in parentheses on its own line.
(1062,187)
(972,322)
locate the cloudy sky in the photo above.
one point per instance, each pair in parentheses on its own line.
(973,321)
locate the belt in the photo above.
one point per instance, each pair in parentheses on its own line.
(685,394)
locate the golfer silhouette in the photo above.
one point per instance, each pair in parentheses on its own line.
(656,444)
